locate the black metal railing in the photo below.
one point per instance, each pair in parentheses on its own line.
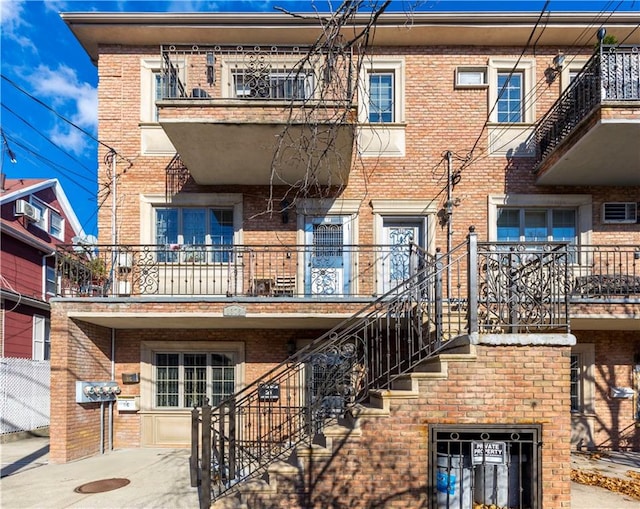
(611,75)
(523,287)
(323,382)
(254,72)
(277,271)
(588,272)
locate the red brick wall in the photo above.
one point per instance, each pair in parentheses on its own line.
(79,351)
(388,465)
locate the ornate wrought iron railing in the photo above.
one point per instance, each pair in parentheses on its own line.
(277,271)
(611,75)
(523,287)
(323,382)
(253,72)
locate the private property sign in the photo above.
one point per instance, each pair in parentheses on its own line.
(492,453)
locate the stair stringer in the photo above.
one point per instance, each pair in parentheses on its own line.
(285,482)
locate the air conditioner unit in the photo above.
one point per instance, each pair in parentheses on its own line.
(24,208)
(619,212)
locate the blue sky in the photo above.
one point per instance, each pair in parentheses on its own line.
(48,82)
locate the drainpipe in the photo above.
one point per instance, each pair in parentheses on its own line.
(102,427)
(113,378)
(449,212)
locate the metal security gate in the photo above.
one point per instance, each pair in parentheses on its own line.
(485,467)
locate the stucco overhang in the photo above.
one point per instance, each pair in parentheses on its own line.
(392,29)
(123,320)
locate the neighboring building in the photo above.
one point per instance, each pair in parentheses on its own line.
(35,217)
(269,188)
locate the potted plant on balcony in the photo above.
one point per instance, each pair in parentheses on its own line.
(98,276)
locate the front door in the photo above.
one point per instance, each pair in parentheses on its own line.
(327,257)
(394,265)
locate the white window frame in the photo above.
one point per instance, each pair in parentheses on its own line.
(527,68)
(232,65)
(41,338)
(50,271)
(586,361)
(148,71)
(375,65)
(47,213)
(40,205)
(148,204)
(581,202)
(471,70)
(148,350)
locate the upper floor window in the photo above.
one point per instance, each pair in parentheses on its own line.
(273,84)
(510,97)
(381,97)
(381,91)
(191,230)
(536,225)
(511,91)
(51,282)
(50,221)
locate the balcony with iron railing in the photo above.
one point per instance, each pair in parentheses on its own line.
(258,114)
(590,135)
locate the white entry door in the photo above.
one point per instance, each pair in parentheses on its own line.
(394,262)
(327,256)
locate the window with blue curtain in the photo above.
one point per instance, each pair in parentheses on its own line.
(510,97)
(381,106)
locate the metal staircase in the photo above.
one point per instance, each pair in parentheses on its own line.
(290,405)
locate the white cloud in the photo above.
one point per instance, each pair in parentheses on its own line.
(12,22)
(67,93)
(55,5)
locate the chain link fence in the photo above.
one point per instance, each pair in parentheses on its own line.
(24,394)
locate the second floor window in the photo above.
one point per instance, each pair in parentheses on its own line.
(273,84)
(194,234)
(381,94)
(536,225)
(50,220)
(510,97)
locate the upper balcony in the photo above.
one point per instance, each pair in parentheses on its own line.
(267,115)
(590,135)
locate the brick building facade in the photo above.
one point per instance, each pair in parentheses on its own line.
(223,264)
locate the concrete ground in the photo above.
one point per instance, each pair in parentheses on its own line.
(159,479)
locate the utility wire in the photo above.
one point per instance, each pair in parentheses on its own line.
(53,165)
(49,140)
(60,116)
(495,104)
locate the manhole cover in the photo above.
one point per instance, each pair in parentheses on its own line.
(102,485)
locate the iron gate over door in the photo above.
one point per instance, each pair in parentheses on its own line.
(491,466)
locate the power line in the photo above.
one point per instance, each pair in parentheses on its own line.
(513,70)
(48,139)
(60,116)
(54,166)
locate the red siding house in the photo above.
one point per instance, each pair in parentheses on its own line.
(36,216)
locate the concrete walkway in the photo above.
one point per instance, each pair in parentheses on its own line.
(159,479)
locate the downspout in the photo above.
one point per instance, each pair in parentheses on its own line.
(449,212)
(113,378)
